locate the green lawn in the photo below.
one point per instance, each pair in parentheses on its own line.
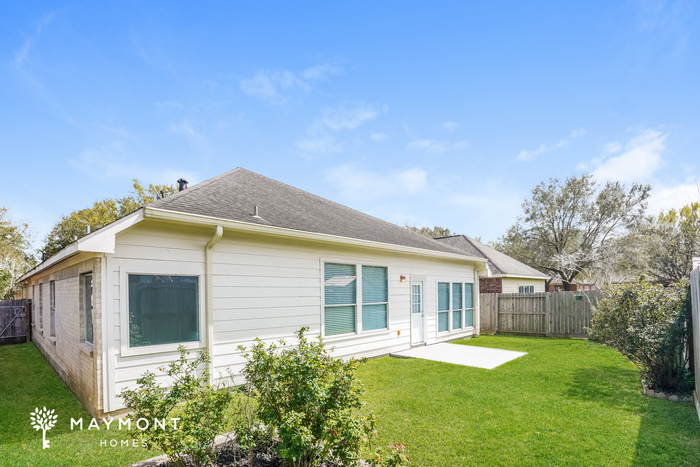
(27,381)
(566,403)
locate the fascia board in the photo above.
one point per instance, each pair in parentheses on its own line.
(518,276)
(197,219)
(99,241)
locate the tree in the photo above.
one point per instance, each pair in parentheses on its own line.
(573,227)
(649,324)
(14,241)
(101,213)
(435,232)
(671,241)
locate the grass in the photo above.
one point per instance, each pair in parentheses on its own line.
(27,381)
(565,403)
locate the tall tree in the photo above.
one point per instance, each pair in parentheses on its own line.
(671,241)
(435,232)
(14,261)
(101,213)
(572,227)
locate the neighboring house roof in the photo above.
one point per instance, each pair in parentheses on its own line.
(244,199)
(234,196)
(501,264)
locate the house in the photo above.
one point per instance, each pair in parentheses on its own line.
(508,275)
(236,257)
(556,285)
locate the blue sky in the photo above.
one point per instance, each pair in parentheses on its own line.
(427,113)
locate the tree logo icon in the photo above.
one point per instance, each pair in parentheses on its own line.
(43,420)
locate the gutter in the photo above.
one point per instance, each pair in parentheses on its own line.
(197,219)
(209,297)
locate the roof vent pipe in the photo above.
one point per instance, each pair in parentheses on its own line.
(255,212)
(181,184)
(87,229)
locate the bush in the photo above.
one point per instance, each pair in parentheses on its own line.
(199,406)
(309,399)
(650,324)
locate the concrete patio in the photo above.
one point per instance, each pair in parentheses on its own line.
(469,355)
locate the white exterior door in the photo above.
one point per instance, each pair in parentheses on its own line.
(417,314)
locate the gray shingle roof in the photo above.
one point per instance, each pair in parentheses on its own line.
(501,264)
(233,196)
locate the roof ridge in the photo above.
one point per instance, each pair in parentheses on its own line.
(471,241)
(326,200)
(198,186)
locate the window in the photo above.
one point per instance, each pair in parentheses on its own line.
(340,289)
(52,307)
(341,305)
(468,305)
(87,307)
(526,289)
(34,304)
(455,299)
(163,309)
(443,306)
(456,306)
(41,307)
(375,297)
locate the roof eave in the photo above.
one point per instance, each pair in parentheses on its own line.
(521,276)
(100,241)
(198,219)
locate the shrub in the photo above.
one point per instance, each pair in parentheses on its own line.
(649,324)
(199,406)
(309,399)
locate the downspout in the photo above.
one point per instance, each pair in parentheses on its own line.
(209,297)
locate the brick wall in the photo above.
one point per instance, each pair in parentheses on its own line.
(490,285)
(77,362)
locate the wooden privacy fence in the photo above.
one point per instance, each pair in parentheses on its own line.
(14,321)
(695,296)
(560,314)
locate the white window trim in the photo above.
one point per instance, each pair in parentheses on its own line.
(128,351)
(358,300)
(450,329)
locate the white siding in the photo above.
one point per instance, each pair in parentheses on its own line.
(512,284)
(265,287)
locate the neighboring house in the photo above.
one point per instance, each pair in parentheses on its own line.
(556,285)
(236,257)
(508,275)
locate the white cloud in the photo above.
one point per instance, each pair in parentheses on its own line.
(640,159)
(379,137)
(273,86)
(320,137)
(21,55)
(356,184)
(347,117)
(612,148)
(528,155)
(115,162)
(450,126)
(268,86)
(431,146)
(321,72)
(194,137)
(319,145)
(673,197)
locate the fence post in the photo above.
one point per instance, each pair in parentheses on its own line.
(547,316)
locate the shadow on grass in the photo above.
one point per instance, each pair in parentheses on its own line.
(669,434)
(609,385)
(668,431)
